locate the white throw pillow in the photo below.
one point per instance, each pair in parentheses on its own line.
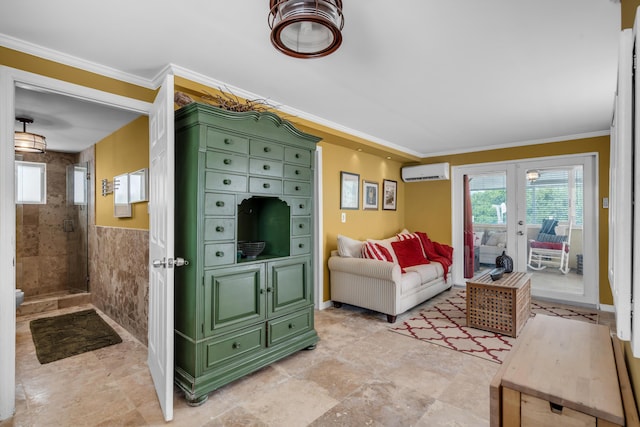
(348,247)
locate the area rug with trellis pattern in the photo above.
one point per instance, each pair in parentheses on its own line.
(445,324)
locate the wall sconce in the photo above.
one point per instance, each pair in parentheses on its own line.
(532,175)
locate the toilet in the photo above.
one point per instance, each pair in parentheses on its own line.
(19,297)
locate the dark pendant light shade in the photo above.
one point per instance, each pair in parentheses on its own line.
(306,28)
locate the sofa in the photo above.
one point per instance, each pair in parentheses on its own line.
(491,246)
(390,286)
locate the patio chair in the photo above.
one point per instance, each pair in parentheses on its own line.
(550,249)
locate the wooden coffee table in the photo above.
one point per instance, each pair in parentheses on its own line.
(501,306)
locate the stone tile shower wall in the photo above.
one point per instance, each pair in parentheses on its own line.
(42,244)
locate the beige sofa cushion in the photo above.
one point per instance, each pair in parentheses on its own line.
(427,272)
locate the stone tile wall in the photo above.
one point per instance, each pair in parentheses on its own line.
(118,268)
(43,247)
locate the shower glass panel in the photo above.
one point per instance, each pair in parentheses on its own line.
(76,227)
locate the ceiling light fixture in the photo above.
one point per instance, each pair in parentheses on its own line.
(306,28)
(26,141)
(533,175)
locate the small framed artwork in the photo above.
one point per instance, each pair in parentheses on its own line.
(369,195)
(349,190)
(389,194)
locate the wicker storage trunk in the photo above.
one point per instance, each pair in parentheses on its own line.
(501,306)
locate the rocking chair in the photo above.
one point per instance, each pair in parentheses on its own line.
(551,249)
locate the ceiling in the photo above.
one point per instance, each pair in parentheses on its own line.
(426,77)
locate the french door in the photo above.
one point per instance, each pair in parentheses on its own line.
(540,212)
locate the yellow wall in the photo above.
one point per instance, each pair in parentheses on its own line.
(126,150)
(430,206)
(33,64)
(360,223)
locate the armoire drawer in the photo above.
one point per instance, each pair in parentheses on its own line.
(225,182)
(267,150)
(226,162)
(265,186)
(233,346)
(223,141)
(300,245)
(297,156)
(300,226)
(296,188)
(219,204)
(297,172)
(301,207)
(219,229)
(285,327)
(219,254)
(265,167)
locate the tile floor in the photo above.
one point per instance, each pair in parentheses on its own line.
(360,374)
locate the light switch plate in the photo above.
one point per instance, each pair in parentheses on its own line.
(343,217)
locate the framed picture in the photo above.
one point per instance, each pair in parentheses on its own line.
(369,195)
(389,195)
(349,190)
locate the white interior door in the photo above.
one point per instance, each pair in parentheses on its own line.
(161,216)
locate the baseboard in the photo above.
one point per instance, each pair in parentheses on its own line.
(607,307)
(325,304)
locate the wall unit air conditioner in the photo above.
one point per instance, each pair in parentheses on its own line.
(432,172)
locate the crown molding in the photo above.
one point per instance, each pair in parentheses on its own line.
(156,81)
(73,61)
(519,143)
(208,81)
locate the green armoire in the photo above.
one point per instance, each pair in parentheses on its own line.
(240,177)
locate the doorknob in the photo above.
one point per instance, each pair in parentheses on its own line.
(179,262)
(521,222)
(520,233)
(159,263)
(169,263)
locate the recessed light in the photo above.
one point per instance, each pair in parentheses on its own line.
(388,157)
(359,149)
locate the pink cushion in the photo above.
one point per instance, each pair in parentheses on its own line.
(549,245)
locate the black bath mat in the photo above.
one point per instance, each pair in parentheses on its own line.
(69,334)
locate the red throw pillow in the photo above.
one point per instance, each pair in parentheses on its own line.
(372,250)
(407,236)
(409,253)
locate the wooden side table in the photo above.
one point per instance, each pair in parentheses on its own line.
(561,372)
(501,306)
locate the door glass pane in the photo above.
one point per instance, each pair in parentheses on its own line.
(489,207)
(554,214)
